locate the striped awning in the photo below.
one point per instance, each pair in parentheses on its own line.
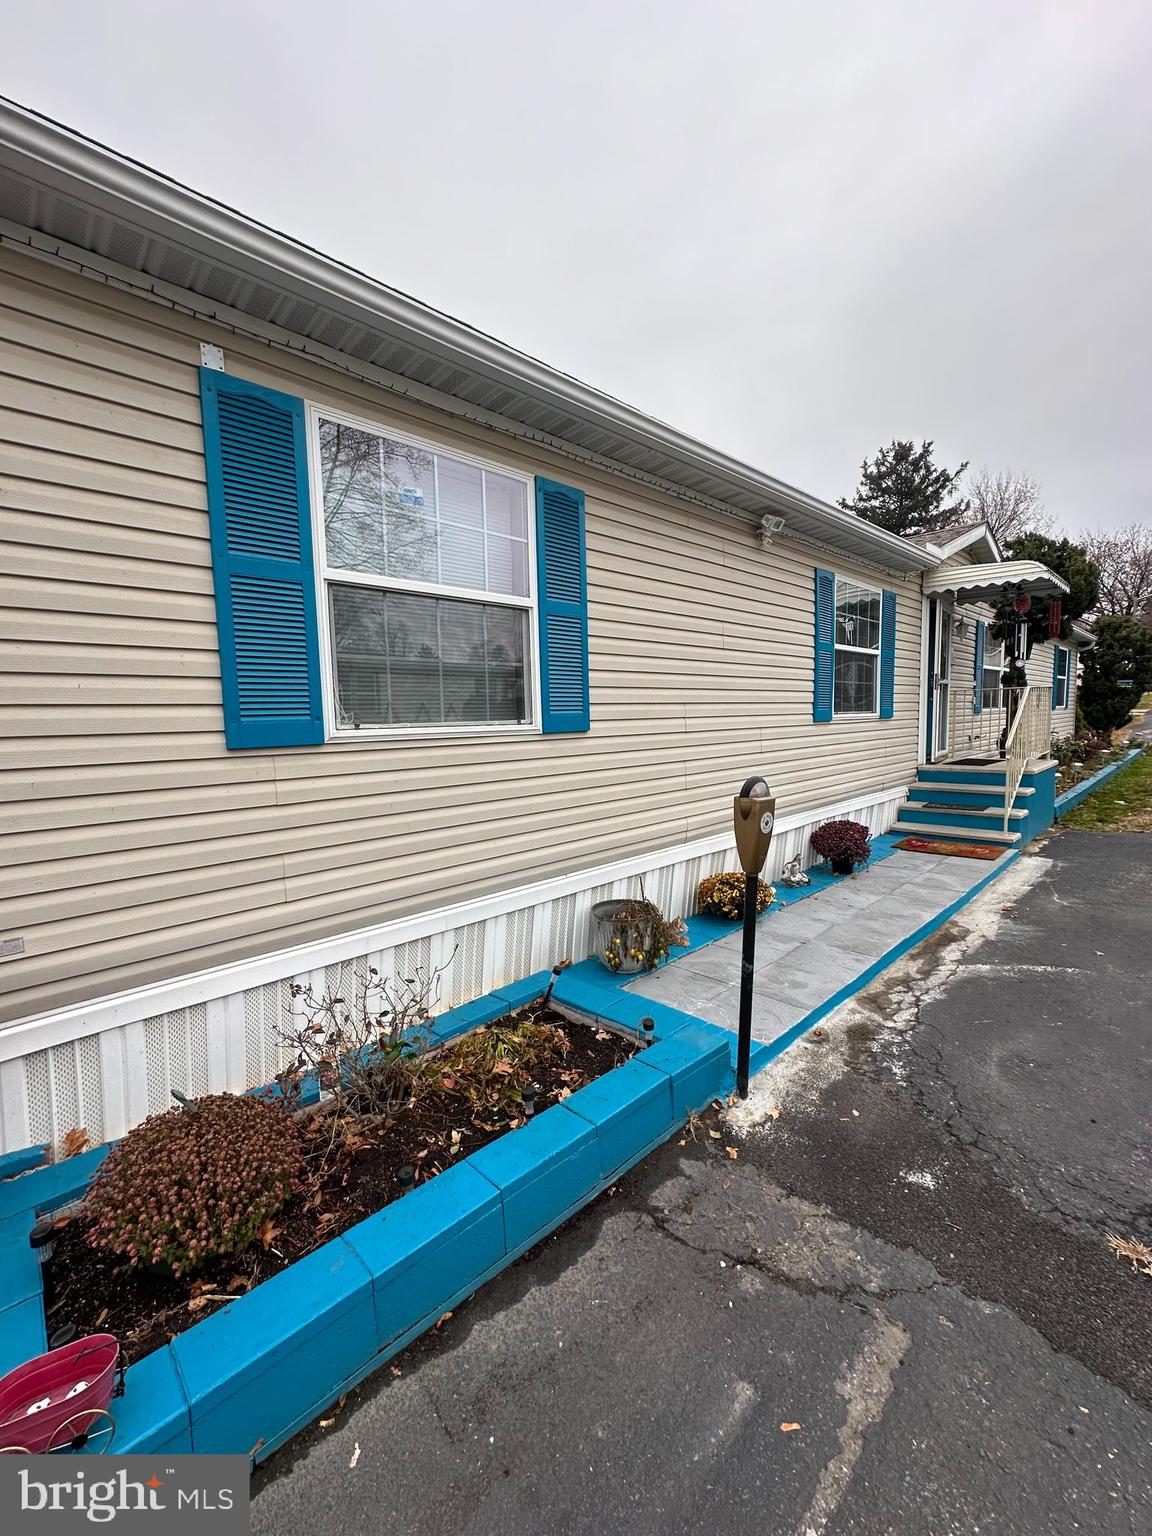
(987,583)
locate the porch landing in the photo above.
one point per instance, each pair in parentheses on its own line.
(814,953)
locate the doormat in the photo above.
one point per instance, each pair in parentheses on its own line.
(950,850)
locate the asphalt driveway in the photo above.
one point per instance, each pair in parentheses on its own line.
(893,1311)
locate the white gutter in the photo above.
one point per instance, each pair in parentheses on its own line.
(119,185)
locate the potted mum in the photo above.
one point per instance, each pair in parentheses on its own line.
(844,844)
(722,895)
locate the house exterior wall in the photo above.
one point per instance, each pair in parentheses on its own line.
(965,730)
(141,852)
(1040,674)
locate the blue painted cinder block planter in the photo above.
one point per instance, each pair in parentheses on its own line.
(255,1373)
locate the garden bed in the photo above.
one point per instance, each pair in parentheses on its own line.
(467,1095)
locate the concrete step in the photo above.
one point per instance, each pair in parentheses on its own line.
(953,773)
(973,817)
(946,787)
(946,834)
(971,797)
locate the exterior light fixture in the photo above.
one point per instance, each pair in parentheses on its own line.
(767,530)
(647,1032)
(753,818)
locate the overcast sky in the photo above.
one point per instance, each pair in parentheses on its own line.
(795,231)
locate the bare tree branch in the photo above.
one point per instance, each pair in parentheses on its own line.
(1124,556)
(1009,502)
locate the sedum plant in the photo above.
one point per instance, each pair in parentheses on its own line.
(722,895)
(196,1183)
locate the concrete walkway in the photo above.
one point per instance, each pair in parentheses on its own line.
(812,949)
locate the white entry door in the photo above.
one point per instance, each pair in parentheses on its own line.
(943,680)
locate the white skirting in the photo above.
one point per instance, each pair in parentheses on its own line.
(104,1066)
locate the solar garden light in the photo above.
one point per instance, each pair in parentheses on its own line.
(528,1099)
(647,1032)
(407,1177)
(753,817)
(42,1237)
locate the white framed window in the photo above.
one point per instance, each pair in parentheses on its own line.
(1063,671)
(991,688)
(426,558)
(856,666)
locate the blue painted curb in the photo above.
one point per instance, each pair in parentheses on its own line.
(1071,798)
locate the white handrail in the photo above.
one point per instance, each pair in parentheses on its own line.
(1028,736)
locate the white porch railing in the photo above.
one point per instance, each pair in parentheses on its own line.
(1029,735)
(979,733)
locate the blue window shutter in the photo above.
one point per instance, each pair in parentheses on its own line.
(825,642)
(563,583)
(887,655)
(978,670)
(1055,677)
(258,512)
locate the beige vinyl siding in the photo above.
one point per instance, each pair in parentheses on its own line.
(138,848)
(1040,674)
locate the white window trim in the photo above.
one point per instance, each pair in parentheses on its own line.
(998,691)
(326,575)
(1064,684)
(858,650)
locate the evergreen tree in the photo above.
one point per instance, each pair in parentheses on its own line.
(902,490)
(1117,670)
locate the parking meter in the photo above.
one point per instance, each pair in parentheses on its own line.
(753,818)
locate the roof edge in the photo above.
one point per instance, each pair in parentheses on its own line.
(116,179)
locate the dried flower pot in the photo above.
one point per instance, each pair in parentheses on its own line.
(630,935)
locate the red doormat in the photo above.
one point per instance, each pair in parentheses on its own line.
(950,850)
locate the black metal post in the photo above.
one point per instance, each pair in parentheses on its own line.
(747,964)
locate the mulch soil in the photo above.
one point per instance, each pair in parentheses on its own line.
(351,1175)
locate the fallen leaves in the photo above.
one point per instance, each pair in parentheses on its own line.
(773,1112)
(267,1232)
(789,1428)
(75,1141)
(1138,1254)
(733,1152)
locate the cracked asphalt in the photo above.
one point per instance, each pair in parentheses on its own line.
(895,1311)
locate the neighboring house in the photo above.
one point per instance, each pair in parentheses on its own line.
(339,634)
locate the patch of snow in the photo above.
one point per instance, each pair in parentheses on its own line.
(920,1176)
